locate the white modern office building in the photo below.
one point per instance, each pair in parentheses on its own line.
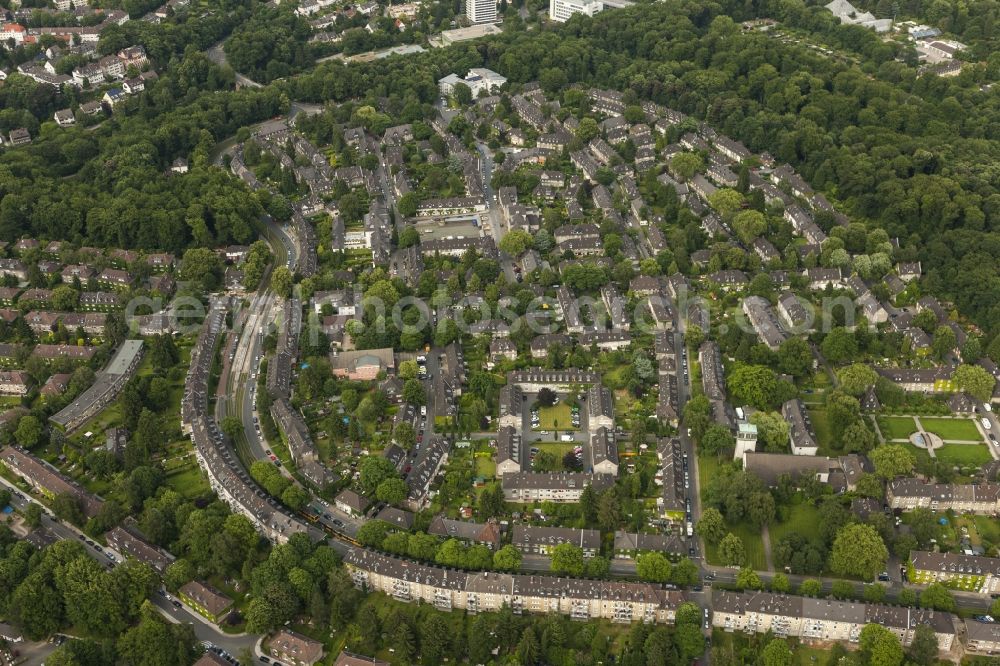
(561,10)
(481,11)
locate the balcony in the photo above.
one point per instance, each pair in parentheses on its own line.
(401,590)
(442,600)
(622,612)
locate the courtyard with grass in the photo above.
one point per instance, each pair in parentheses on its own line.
(954,429)
(556,417)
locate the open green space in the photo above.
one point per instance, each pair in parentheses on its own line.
(803,518)
(919,455)
(963,454)
(821,426)
(752,544)
(187,480)
(952,428)
(486,467)
(897,427)
(556,417)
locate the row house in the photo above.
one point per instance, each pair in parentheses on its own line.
(765,324)
(603,451)
(823,619)
(968,571)
(508,454)
(47,480)
(129,541)
(542,344)
(542,540)
(486,534)
(908,494)
(476,592)
(561,487)
(800,431)
(919,380)
(672,501)
(14,382)
(629,545)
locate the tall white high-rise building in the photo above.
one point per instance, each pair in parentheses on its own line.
(561,10)
(481,11)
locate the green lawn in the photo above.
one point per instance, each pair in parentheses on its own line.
(920,455)
(752,543)
(897,427)
(556,417)
(188,480)
(952,428)
(486,467)
(821,426)
(963,454)
(803,518)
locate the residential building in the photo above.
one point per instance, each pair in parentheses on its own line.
(908,494)
(508,450)
(920,380)
(823,619)
(541,540)
(346,658)
(49,481)
(532,380)
(974,572)
(982,637)
(14,382)
(765,324)
(600,408)
(800,431)
(206,600)
(129,541)
(351,502)
(487,534)
(604,452)
(105,389)
(294,648)
(628,544)
(476,592)
(551,486)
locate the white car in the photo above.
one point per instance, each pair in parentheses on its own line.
(986,423)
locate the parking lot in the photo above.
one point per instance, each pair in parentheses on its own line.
(554,441)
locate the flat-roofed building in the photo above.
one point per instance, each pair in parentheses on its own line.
(105,389)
